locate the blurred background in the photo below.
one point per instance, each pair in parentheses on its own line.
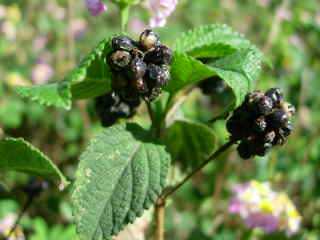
(40,41)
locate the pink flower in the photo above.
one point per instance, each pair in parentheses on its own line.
(78,28)
(261,207)
(41,73)
(160,11)
(96,7)
(136,25)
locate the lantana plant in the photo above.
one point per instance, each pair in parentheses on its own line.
(123,170)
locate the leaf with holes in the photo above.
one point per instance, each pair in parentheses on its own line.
(212,41)
(121,173)
(189,143)
(23,157)
(90,79)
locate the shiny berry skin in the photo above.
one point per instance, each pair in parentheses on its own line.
(35,186)
(263,106)
(149,39)
(123,43)
(288,108)
(253,97)
(137,68)
(262,149)
(244,149)
(159,55)
(286,130)
(157,76)
(277,119)
(276,96)
(260,125)
(269,137)
(119,60)
(110,107)
(140,85)
(213,85)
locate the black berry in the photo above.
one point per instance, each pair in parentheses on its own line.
(260,125)
(119,60)
(244,149)
(261,122)
(276,96)
(123,43)
(159,55)
(278,119)
(35,186)
(262,105)
(137,68)
(149,39)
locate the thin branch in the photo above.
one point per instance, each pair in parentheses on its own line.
(213,156)
(160,218)
(22,212)
(150,112)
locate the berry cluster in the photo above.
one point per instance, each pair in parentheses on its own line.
(262,121)
(140,69)
(111,107)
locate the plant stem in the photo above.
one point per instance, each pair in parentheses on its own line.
(213,156)
(159,217)
(124,12)
(150,112)
(22,212)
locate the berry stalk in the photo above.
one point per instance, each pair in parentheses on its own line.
(213,156)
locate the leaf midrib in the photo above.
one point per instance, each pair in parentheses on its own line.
(116,183)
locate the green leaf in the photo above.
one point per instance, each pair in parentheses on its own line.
(48,95)
(186,70)
(212,41)
(90,79)
(189,143)
(121,173)
(19,155)
(239,70)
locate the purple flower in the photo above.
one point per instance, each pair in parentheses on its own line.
(96,7)
(160,11)
(261,207)
(266,222)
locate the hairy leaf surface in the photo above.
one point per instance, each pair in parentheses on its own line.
(121,173)
(19,155)
(90,79)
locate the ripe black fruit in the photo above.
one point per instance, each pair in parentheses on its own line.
(278,119)
(262,106)
(158,76)
(244,149)
(123,43)
(262,121)
(213,85)
(111,107)
(260,125)
(137,68)
(276,96)
(119,60)
(35,186)
(159,55)
(149,39)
